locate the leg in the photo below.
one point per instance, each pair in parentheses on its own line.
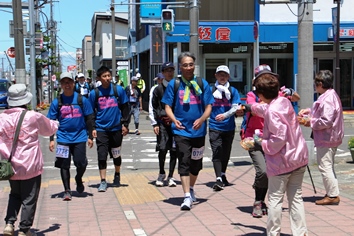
(261,180)
(102,142)
(29,194)
(217,149)
(80,161)
(136,119)
(277,186)
(183,149)
(115,144)
(14,203)
(227,140)
(296,204)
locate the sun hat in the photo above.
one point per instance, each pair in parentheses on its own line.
(66,75)
(17,95)
(223,68)
(159,76)
(263,69)
(167,65)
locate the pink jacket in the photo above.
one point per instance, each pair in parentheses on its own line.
(327,120)
(283,144)
(27,159)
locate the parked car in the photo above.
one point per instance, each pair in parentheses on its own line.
(4,86)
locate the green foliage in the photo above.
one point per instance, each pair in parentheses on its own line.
(351,143)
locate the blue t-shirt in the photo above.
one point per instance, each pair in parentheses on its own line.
(188,113)
(108,114)
(221,106)
(72,125)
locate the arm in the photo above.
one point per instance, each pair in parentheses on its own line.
(170,114)
(198,123)
(90,123)
(124,108)
(151,107)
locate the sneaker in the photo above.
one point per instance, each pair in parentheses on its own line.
(8,230)
(224,180)
(171,182)
(102,187)
(264,209)
(194,199)
(79,185)
(187,204)
(257,209)
(29,233)
(160,179)
(137,132)
(67,196)
(218,186)
(116,180)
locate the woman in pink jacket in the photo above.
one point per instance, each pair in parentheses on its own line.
(27,159)
(285,152)
(326,120)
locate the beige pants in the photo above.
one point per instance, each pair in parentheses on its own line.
(325,161)
(277,186)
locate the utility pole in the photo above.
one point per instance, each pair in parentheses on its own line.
(20,73)
(3,69)
(52,47)
(113,22)
(305,66)
(193,33)
(32,54)
(337,40)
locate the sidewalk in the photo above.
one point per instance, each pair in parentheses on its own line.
(139,208)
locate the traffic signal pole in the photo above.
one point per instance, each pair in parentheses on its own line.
(193,33)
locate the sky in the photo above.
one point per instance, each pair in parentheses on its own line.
(73,23)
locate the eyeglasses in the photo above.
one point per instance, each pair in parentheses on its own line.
(187,65)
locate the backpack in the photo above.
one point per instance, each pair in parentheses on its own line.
(79,102)
(97,93)
(178,82)
(246,121)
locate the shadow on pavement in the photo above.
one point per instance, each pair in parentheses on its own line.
(259,228)
(177,201)
(52,228)
(311,199)
(73,194)
(242,163)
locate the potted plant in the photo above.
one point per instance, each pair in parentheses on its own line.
(351,147)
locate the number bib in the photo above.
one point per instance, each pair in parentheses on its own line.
(62,151)
(116,152)
(197,153)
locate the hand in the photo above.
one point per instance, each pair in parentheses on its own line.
(125,130)
(288,91)
(220,117)
(94,133)
(303,112)
(240,113)
(157,130)
(179,125)
(247,107)
(197,124)
(141,108)
(90,143)
(51,146)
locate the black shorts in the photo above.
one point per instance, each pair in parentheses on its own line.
(165,138)
(107,140)
(184,148)
(78,153)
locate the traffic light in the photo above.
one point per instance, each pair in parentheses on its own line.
(167,20)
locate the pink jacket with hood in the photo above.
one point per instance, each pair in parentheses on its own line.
(284,146)
(27,159)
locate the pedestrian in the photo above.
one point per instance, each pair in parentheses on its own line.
(326,120)
(82,87)
(162,128)
(253,123)
(285,152)
(135,102)
(76,117)
(27,157)
(111,124)
(188,108)
(90,83)
(140,83)
(222,124)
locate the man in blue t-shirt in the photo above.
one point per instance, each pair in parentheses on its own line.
(188,109)
(222,124)
(75,116)
(111,124)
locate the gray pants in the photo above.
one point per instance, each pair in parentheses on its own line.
(24,193)
(258,159)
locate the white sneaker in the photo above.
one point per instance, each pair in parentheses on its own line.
(171,182)
(187,204)
(160,179)
(194,199)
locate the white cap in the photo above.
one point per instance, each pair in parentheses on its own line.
(223,68)
(80,75)
(138,75)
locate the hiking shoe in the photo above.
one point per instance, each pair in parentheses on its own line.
(29,233)
(187,204)
(79,185)
(116,180)
(194,199)
(264,208)
(102,187)
(160,179)
(67,195)
(8,230)
(257,209)
(137,132)
(218,186)
(171,182)
(224,180)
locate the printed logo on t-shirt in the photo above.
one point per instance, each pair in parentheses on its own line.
(107,102)
(70,111)
(193,98)
(222,102)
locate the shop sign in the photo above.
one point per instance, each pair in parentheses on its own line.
(217,34)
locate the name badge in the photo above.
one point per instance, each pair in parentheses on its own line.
(62,151)
(116,152)
(197,153)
